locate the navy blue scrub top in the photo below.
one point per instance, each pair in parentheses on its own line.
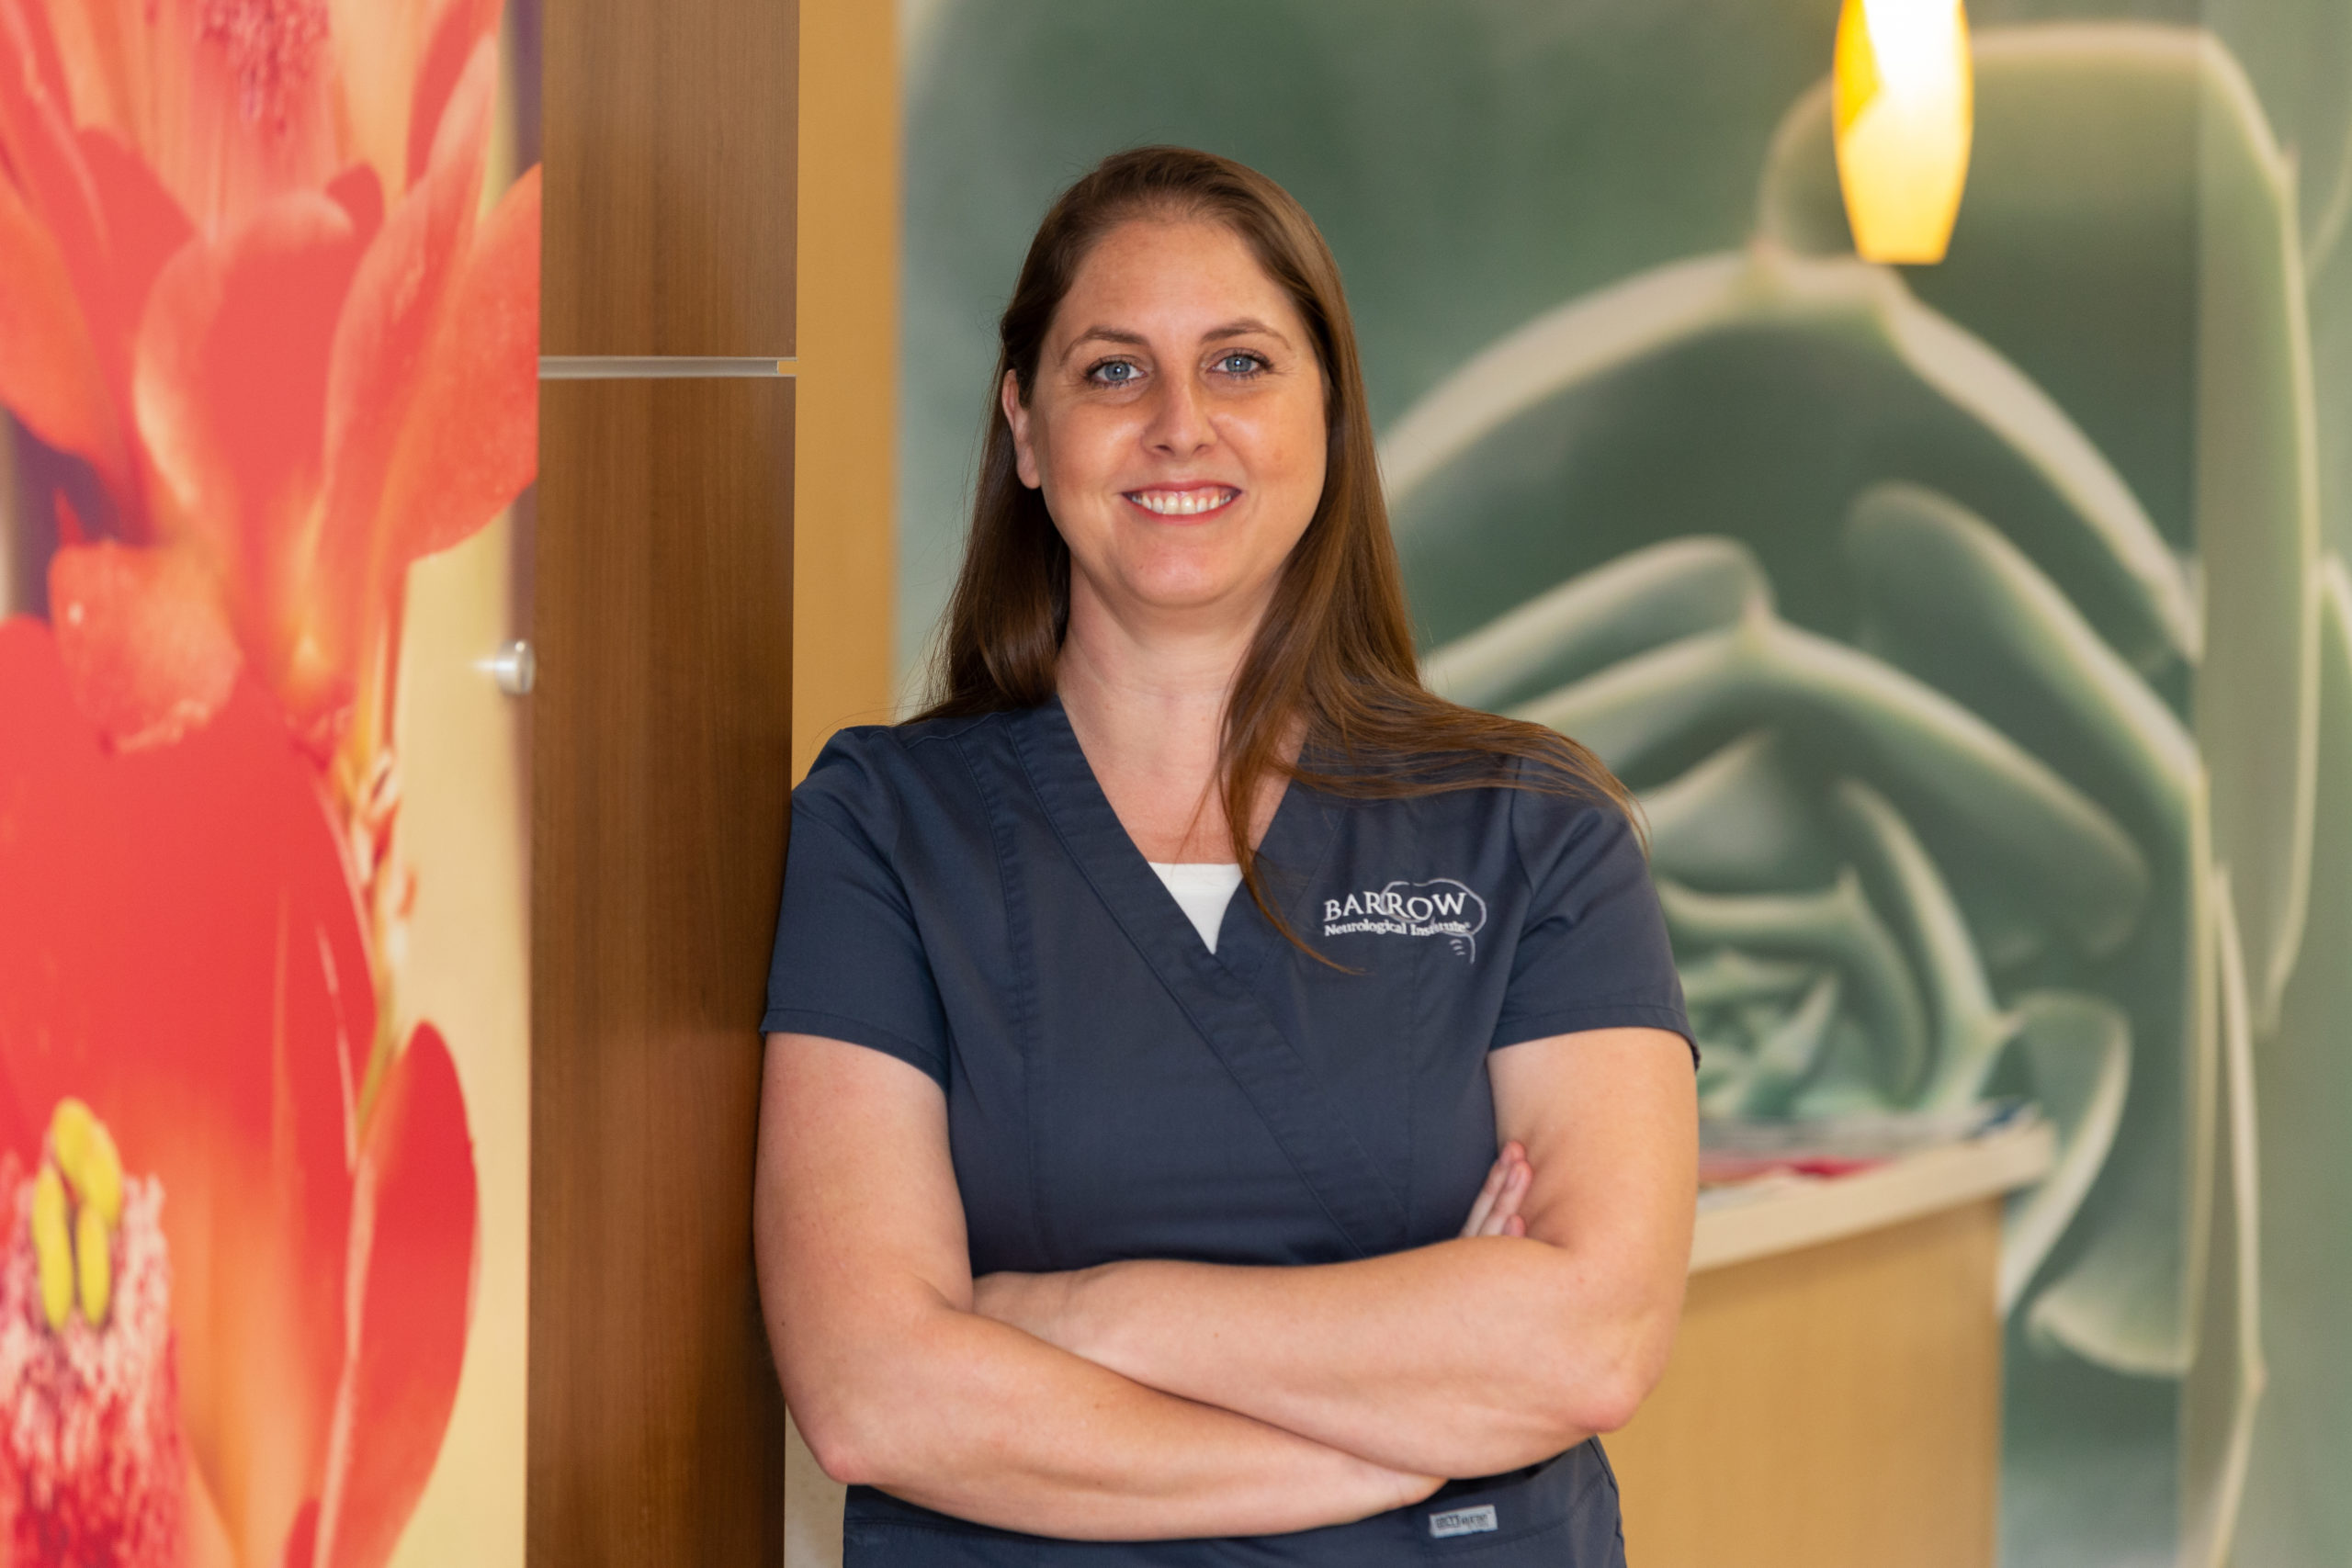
(960,895)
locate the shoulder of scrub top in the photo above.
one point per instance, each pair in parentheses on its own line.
(1566,829)
(867,776)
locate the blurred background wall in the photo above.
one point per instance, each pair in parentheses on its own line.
(1989,618)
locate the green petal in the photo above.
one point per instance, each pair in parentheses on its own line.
(2077,1054)
(1752,395)
(2297,1508)
(1626,607)
(1745,819)
(1969,1028)
(2257,528)
(1951,601)
(1836,928)
(1789,1055)
(1731,974)
(1975,794)
(2118,1277)
(2224,1379)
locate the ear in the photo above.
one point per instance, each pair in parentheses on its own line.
(1016,415)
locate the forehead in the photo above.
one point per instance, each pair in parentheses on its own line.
(1172,278)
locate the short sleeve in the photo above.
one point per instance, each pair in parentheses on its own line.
(849,962)
(1593,952)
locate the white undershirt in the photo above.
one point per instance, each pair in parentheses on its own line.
(1202,891)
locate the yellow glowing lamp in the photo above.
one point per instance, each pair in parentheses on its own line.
(1903,106)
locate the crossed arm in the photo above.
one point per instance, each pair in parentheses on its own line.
(1158,1399)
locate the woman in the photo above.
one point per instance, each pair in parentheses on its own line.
(1146,1015)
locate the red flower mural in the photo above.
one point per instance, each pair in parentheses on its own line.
(242,276)
(179,950)
(252,284)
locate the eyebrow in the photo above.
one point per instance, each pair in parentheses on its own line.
(1243,327)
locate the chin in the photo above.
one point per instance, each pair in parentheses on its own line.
(1180,578)
(1180,596)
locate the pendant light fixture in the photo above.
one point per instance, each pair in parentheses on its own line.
(1901,104)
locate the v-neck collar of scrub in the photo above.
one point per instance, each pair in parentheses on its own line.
(1215,989)
(1294,844)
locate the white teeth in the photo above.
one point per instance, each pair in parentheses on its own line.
(1180,504)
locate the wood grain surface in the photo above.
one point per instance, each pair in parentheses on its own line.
(1838,1407)
(669,136)
(660,762)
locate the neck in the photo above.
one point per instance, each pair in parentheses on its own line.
(1145,693)
(1148,690)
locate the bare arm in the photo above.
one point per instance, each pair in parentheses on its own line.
(896,1383)
(1468,1358)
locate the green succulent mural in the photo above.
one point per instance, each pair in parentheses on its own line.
(1977,636)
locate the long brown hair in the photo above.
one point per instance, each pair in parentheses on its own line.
(1336,646)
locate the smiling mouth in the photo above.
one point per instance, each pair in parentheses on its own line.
(1183,502)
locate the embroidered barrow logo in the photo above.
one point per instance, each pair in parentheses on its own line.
(1439,907)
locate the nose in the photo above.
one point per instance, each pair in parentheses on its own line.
(1179,426)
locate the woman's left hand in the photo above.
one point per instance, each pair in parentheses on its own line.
(1495,1212)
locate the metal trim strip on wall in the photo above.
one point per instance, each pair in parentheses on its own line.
(609,367)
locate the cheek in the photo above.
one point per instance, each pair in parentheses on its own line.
(1289,455)
(1313,447)
(1084,446)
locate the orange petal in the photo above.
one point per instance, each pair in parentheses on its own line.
(143,226)
(461,28)
(25,33)
(361,193)
(231,389)
(42,153)
(144,643)
(209,1545)
(49,376)
(109,223)
(396,301)
(382,346)
(472,440)
(409,1295)
(243,103)
(179,948)
(37,135)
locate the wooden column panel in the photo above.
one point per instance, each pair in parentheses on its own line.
(669,138)
(660,773)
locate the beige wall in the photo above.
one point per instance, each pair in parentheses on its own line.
(843,492)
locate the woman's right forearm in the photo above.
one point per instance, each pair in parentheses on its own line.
(865,1276)
(979,1420)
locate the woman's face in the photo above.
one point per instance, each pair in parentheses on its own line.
(1176,426)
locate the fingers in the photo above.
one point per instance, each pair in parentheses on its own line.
(1488,1193)
(1496,1209)
(1519,1178)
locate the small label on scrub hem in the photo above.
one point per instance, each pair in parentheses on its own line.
(1463,1521)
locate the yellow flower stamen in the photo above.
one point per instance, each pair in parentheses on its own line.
(77,1203)
(85,1155)
(53,1248)
(93,1254)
